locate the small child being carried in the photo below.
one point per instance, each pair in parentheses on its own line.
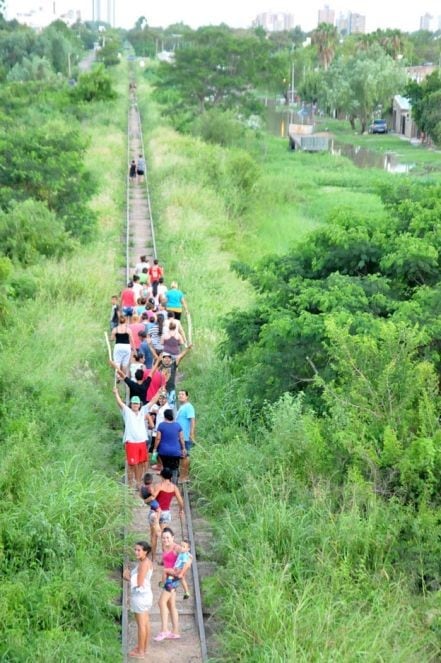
(146,494)
(173,576)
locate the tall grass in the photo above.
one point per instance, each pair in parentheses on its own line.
(60,499)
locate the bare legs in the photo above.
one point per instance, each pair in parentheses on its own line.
(155,533)
(143,624)
(139,467)
(131,475)
(167,604)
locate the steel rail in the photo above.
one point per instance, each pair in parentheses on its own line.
(196,583)
(128,200)
(152,225)
(125,589)
(187,506)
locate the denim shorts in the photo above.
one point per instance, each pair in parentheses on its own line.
(165,517)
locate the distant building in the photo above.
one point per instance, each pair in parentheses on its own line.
(426,22)
(342,24)
(104,10)
(71,16)
(357,24)
(326,15)
(42,15)
(350,24)
(274,22)
(402,123)
(419,72)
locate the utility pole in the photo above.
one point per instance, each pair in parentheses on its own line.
(292,82)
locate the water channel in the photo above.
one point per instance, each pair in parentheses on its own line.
(278,122)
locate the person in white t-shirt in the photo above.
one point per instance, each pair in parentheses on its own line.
(134,438)
(137,287)
(161,291)
(142,264)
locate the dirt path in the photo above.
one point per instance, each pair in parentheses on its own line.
(187,649)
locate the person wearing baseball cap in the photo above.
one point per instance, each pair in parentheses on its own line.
(134,438)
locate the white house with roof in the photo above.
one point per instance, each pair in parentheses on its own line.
(402,123)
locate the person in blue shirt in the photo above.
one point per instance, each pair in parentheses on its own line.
(187,418)
(170,444)
(145,348)
(175,300)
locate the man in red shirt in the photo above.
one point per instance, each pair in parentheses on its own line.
(128,301)
(155,273)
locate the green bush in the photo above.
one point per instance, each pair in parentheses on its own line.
(29,231)
(95,85)
(219,127)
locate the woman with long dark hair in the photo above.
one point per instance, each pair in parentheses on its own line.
(141,597)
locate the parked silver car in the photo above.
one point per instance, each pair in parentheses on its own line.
(378,127)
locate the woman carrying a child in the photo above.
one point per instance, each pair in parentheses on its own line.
(167,600)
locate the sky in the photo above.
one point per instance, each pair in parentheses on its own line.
(379,14)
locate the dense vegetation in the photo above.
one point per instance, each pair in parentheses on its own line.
(319,454)
(60,514)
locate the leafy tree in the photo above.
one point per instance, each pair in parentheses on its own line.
(29,230)
(218,69)
(354,271)
(109,53)
(57,43)
(425,47)
(32,69)
(287,40)
(310,89)
(87,33)
(426,105)
(143,38)
(384,405)
(15,45)
(359,85)
(45,162)
(95,85)
(394,42)
(219,127)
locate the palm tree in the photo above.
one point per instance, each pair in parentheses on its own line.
(393,41)
(325,37)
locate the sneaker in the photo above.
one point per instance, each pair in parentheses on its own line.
(186,595)
(172,636)
(161,636)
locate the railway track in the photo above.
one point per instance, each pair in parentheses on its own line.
(192,647)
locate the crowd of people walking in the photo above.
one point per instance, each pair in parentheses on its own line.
(159,432)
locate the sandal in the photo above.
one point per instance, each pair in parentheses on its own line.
(135,653)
